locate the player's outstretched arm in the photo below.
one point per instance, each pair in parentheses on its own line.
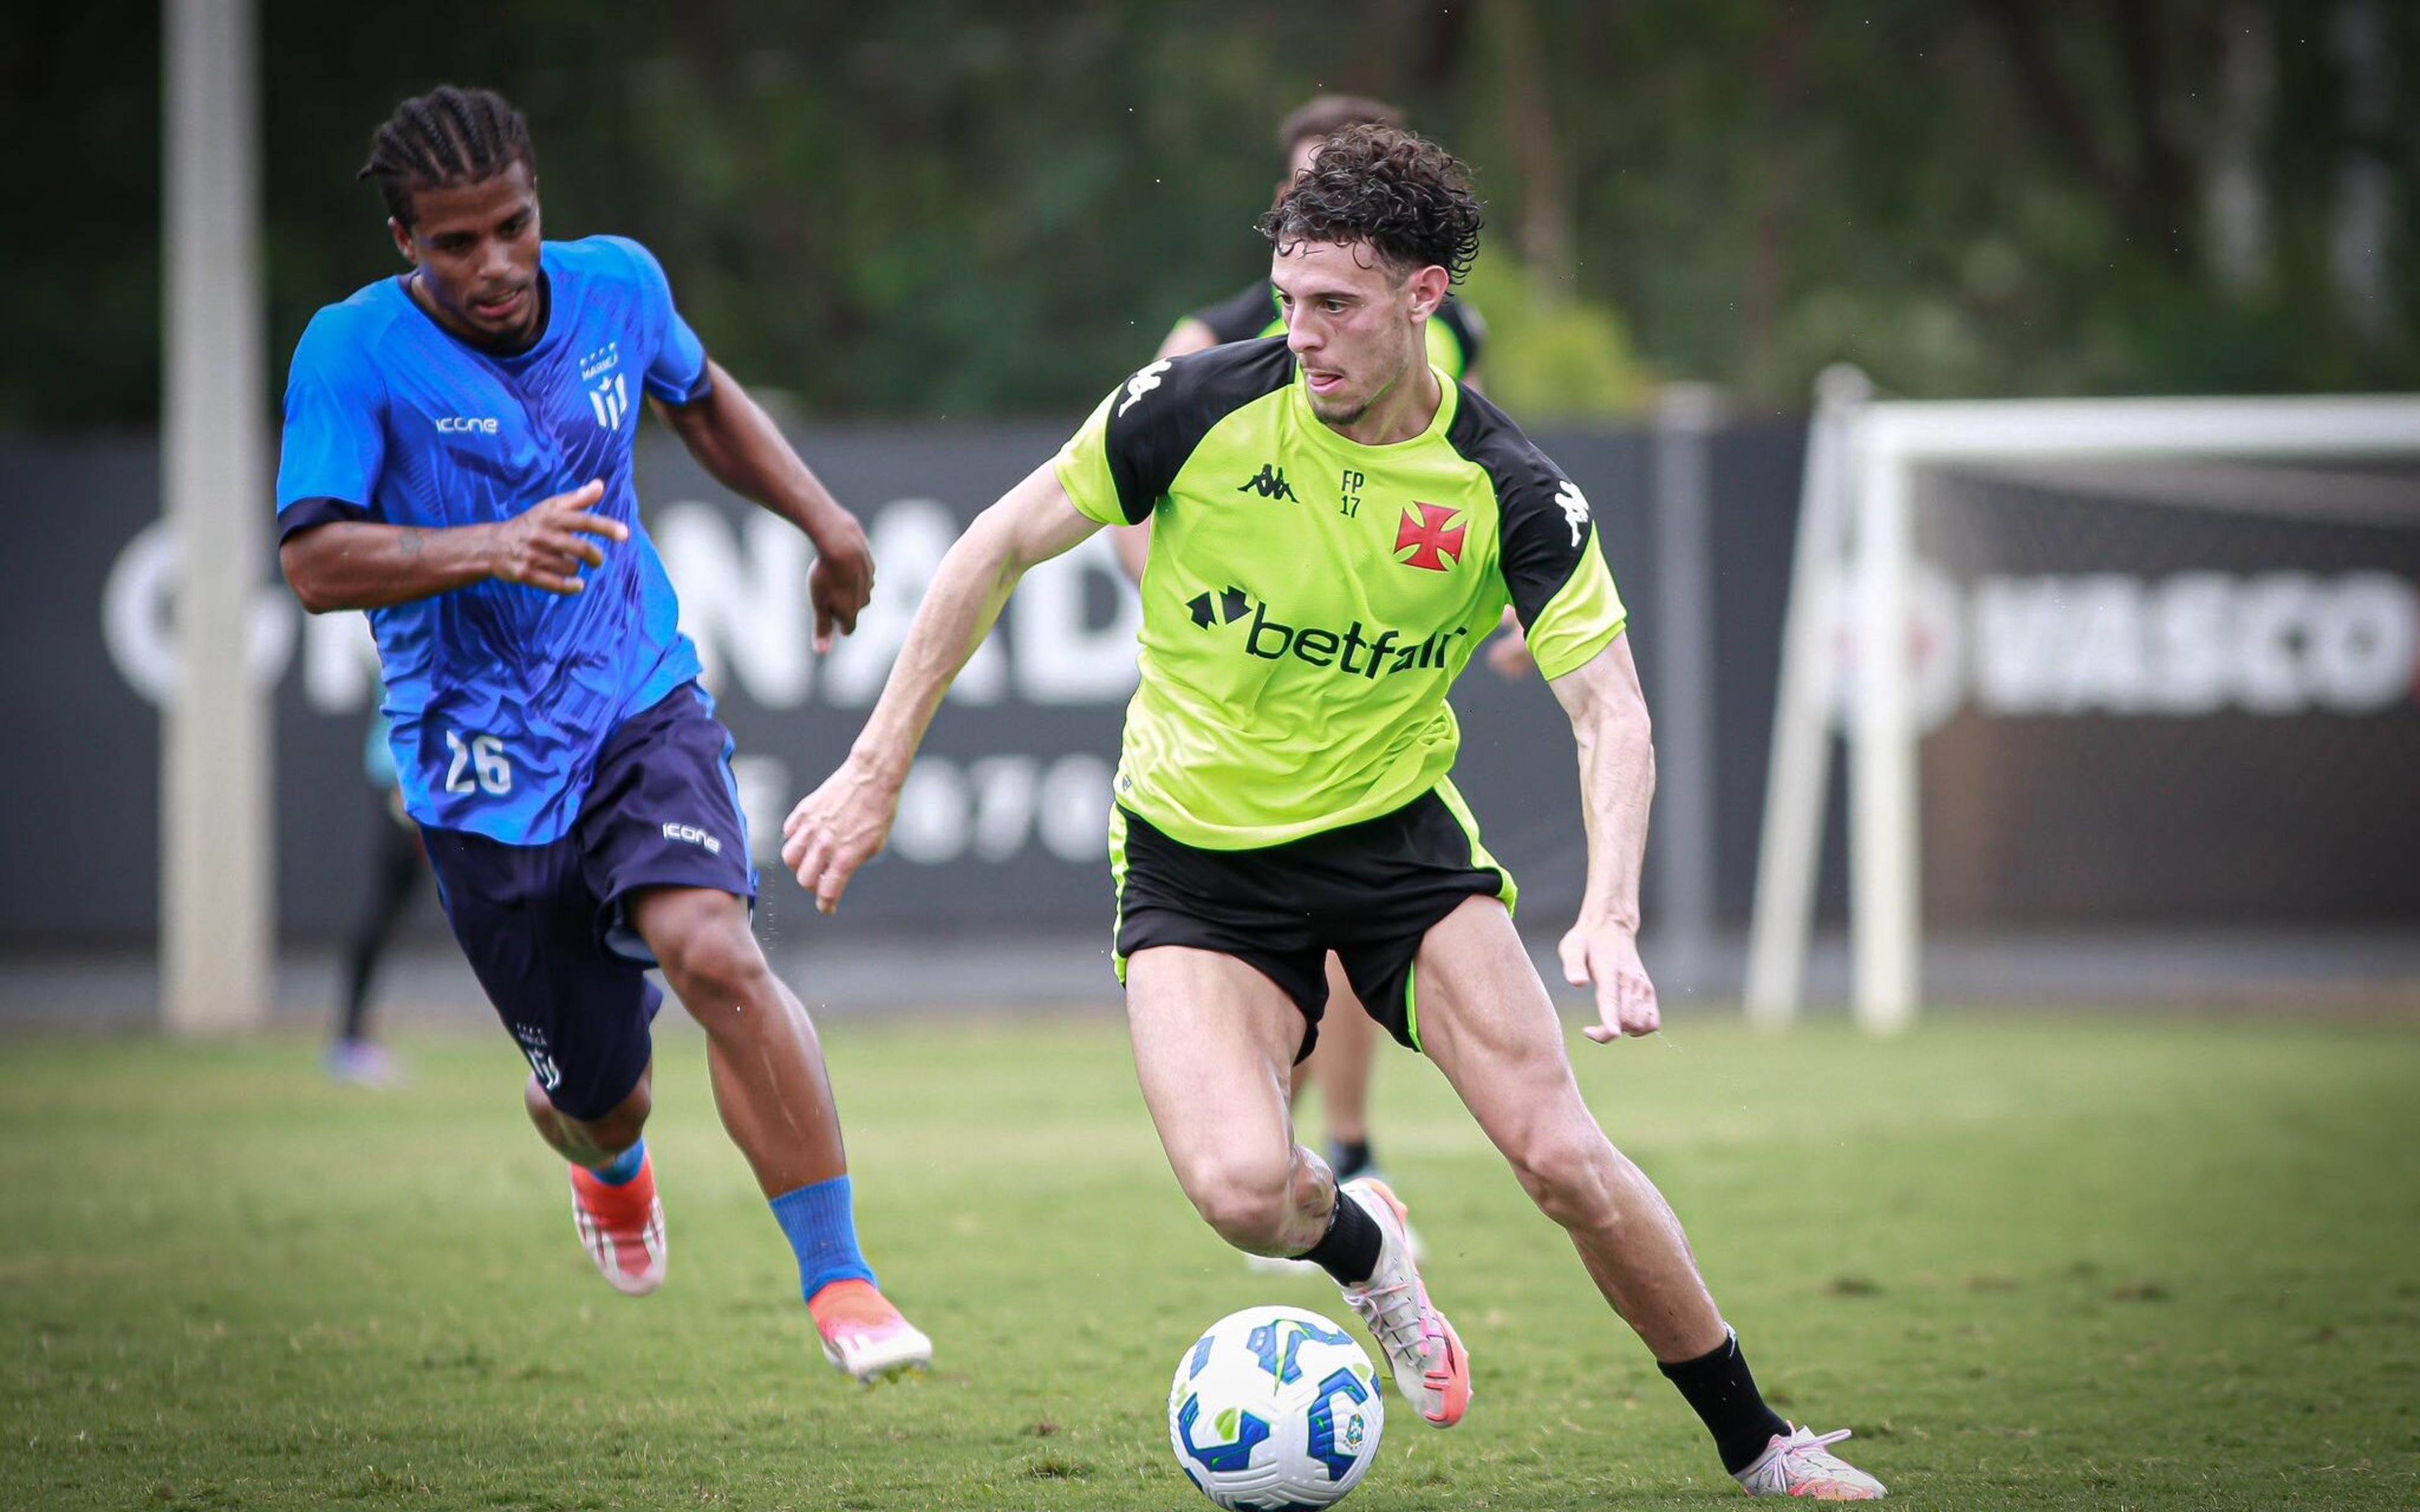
(357,564)
(843,824)
(1617,750)
(736,440)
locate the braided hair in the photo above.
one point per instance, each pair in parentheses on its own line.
(444,138)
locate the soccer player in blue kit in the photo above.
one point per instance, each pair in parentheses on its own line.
(458,461)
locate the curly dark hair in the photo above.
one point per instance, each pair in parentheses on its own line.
(1407,197)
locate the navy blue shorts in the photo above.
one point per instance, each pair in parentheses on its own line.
(545,927)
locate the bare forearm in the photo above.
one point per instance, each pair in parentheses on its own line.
(737,441)
(355,564)
(1617,752)
(1616,748)
(960,606)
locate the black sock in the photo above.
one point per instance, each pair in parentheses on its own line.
(1350,1157)
(1349,1250)
(1719,1387)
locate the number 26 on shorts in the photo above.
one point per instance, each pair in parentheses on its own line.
(479,766)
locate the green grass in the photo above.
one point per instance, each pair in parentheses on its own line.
(2040,1262)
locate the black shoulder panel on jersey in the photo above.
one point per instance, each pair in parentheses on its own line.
(1468,328)
(1544,522)
(1242,316)
(1163,412)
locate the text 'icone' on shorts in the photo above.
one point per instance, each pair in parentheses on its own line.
(1369,891)
(545,926)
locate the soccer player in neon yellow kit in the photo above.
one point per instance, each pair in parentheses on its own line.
(1348,1041)
(1337,526)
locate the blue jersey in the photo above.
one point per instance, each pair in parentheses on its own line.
(500,695)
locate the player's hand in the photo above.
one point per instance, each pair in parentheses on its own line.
(842,580)
(546,544)
(837,828)
(1605,956)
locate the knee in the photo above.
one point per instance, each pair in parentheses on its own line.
(607,1135)
(1245,1202)
(619,1130)
(712,966)
(1571,1175)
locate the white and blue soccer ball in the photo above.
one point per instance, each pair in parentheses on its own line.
(1274,1409)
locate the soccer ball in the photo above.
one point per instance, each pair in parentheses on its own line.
(1274,1409)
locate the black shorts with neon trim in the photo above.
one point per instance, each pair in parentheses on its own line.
(1369,891)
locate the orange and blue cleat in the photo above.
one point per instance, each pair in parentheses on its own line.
(622,1228)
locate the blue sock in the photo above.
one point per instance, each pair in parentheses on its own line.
(624,1167)
(821,1224)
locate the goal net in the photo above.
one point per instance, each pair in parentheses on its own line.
(2098,662)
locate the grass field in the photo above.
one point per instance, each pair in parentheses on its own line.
(2046,1262)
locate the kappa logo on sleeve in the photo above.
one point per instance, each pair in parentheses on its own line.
(1142,383)
(1575,508)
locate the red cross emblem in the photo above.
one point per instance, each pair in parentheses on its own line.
(1433,547)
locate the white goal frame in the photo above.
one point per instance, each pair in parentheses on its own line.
(1856,535)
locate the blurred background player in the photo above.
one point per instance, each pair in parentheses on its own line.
(458,461)
(1343,1064)
(1283,786)
(395,866)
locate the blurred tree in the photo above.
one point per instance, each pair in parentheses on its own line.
(944,206)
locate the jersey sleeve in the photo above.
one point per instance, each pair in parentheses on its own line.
(1555,571)
(1552,565)
(1084,472)
(1119,465)
(677,373)
(1247,313)
(334,439)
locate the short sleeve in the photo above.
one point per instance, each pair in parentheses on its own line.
(1555,573)
(335,437)
(1083,470)
(1119,465)
(676,372)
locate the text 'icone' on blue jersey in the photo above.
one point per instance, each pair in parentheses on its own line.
(500,695)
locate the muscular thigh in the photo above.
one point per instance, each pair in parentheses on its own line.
(1213,1047)
(1486,1021)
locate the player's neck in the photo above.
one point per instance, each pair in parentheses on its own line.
(1401,411)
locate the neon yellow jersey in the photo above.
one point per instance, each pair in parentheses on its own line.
(1308,600)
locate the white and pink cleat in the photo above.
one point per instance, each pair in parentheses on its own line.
(1803,1464)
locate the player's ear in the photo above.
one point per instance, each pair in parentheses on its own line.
(402,234)
(1427,289)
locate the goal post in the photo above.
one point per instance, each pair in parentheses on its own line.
(1857,547)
